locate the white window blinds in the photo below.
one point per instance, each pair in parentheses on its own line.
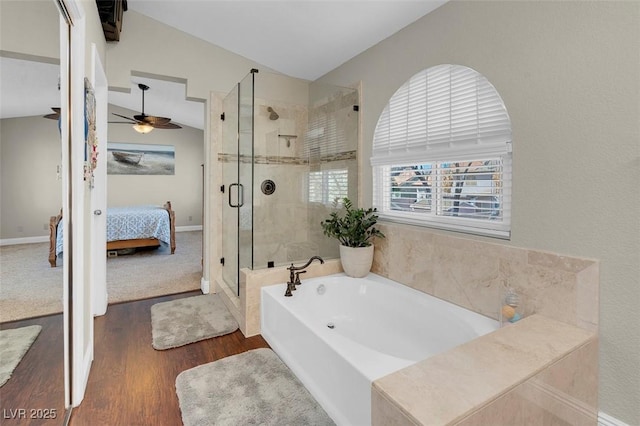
(440,111)
(442,154)
(325,186)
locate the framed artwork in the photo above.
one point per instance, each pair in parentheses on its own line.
(90,138)
(140,159)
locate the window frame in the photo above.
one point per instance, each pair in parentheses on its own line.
(490,145)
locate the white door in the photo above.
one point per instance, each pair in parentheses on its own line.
(99,192)
(78,318)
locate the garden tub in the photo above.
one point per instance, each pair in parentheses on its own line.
(339,334)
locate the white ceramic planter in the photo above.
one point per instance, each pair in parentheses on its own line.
(356,261)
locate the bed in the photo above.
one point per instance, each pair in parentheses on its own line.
(127,227)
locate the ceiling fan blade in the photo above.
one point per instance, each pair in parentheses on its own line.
(150,119)
(125,117)
(166,126)
(119,122)
(55,115)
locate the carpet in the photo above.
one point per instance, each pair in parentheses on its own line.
(14,343)
(253,387)
(191,319)
(151,273)
(29,287)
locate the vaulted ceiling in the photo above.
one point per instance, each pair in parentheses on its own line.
(299,38)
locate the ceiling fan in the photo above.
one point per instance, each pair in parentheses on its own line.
(143,123)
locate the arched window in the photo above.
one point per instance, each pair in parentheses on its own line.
(442,154)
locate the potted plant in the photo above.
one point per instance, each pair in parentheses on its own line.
(354,229)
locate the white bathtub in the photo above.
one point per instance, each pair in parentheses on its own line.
(358,330)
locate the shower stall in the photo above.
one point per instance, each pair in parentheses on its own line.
(288,152)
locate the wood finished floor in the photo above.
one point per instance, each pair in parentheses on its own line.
(37,383)
(130,382)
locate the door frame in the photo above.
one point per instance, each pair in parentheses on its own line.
(78,341)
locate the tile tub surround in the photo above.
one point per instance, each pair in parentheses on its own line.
(537,371)
(246,308)
(475,274)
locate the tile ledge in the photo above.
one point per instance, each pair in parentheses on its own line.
(511,338)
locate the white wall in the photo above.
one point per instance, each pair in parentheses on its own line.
(569,73)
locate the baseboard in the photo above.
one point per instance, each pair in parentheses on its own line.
(45,238)
(188,228)
(607,420)
(26,240)
(558,403)
(204,286)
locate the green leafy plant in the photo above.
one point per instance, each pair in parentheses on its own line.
(355,228)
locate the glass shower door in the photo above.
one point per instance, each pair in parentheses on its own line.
(245,170)
(229,177)
(237,175)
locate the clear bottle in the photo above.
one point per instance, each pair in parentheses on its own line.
(511,307)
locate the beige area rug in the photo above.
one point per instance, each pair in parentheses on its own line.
(188,320)
(253,387)
(14,343)
(29,287)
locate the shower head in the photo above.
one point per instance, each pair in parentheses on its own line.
(273,115)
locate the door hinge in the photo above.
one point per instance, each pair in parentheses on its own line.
(222,188)
(222,261)
(222,116)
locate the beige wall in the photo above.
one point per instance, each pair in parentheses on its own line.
(31,149)
(205,68)
(30,28)
(30,154)
(569,75)
(94,35)
(31,193)
(30,146)
(147,46)
(184,189)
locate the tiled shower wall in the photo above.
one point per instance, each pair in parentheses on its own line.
(303,140)
(279,219)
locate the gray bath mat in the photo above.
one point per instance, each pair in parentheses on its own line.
(251,388)
(14,343)
(183,321)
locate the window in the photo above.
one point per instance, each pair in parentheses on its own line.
(442,154)
(325,186)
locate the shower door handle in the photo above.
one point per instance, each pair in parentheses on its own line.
(240,195)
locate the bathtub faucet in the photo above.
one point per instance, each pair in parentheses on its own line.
(294,275)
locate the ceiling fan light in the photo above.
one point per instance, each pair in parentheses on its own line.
(142,128)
